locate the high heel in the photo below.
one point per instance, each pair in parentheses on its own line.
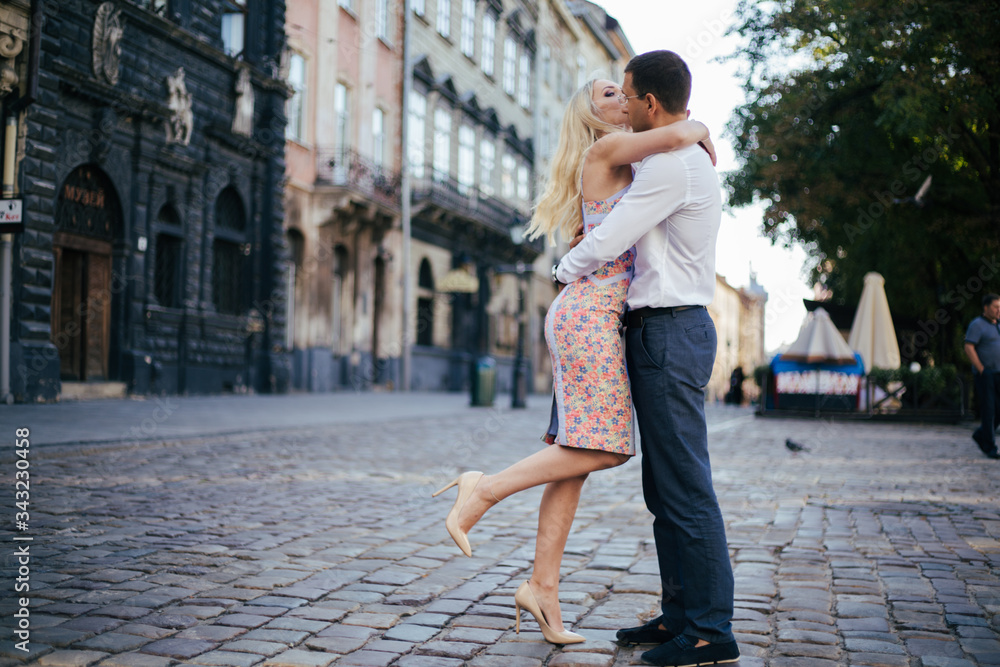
(466,483)
(525,598)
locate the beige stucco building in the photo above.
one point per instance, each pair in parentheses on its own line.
(342,198)
(738,313)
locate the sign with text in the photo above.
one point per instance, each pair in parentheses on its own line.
(11,219)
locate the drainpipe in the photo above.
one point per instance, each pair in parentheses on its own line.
(405,187)
(7,260)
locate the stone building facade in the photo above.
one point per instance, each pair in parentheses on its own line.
(153,258)
(343,193)
(491,82)
(471,158)
(738,313)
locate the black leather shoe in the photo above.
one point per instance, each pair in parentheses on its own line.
(993,453)
(988,448)
(681,652)
(650,633)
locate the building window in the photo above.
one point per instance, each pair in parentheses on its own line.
(546,64)
(523,191)
(524,87)
(469,27)
(229,211)
(489,43)
(234,26)
(417,133)
(297,102)
(382,19)
(419,7)
(159,7)
(466,159)
(227,277)
(230,254)
(509,66)
(425,304)
(581,71)
(341,119)
(168,282)
(444,18)
(442,144)
(378,137)
(507,167)
(487,162)
(297,246)
(337,297)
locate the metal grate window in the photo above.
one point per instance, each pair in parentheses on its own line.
(167,278)
(228,277)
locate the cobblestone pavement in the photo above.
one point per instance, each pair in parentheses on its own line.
(878,546)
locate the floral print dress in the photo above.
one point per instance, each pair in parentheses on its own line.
(592,406)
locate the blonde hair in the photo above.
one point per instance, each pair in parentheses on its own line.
(560,206)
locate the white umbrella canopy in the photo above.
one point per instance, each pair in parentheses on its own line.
(872,333)
(819,342)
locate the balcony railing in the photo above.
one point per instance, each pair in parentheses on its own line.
(469,202)
(352,171)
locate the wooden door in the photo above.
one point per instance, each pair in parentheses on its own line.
(97,317)
(81,309)
(67,334)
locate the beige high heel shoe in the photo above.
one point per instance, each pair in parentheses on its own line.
(466,483)
(525,598)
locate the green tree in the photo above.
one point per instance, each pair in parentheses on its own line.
(851,105)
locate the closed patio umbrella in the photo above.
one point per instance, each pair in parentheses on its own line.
(872,333)
(819,342)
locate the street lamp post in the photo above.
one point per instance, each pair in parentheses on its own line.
(519,385)
(518,389)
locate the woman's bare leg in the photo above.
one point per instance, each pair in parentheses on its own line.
(552,464)
(555,518)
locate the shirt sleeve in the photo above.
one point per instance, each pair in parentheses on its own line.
(659,188)
(974,333)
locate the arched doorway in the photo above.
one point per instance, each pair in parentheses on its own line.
(88,220)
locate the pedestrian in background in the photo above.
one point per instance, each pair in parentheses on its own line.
(982,346)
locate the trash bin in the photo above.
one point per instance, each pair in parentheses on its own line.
(484,382)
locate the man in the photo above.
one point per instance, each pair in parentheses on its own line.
(672,215)
(982,346)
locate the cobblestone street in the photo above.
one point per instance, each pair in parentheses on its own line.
(320,544)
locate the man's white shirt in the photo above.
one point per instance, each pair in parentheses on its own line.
(671,214)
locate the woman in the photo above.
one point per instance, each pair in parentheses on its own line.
(591,425)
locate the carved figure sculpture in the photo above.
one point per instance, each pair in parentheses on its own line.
(243,118)
(181,121)
(11,43)
(107,49)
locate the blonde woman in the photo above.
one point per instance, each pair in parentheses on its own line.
(591,425)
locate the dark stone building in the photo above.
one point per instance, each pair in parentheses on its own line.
(152,174)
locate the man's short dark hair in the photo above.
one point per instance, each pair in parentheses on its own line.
(990,298)
(665,75)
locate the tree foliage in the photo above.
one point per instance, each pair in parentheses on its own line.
(851,105)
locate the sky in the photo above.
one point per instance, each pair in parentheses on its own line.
(696,31)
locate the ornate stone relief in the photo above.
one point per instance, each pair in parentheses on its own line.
(11,44)
(107,49)
(181,121)
(243,118)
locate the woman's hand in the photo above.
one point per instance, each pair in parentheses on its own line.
(579,235)
(709,147)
